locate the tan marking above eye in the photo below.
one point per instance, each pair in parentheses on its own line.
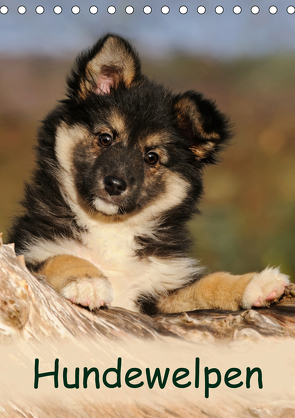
(114,126)
(116,121)
(156,140)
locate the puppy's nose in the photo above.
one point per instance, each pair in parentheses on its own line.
(114,185)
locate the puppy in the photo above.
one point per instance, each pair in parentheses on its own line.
(118,175)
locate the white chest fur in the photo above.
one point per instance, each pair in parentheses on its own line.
(110,247)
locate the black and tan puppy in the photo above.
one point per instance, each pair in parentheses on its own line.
(118,175)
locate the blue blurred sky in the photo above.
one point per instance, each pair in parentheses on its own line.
(227,35)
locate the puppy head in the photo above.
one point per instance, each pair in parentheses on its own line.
(130,144)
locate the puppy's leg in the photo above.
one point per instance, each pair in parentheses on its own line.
(222,290)
(77,280)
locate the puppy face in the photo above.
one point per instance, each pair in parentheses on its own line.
(130,152)
(130,143)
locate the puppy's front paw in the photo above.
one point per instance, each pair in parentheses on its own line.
(89,291)
(264,288)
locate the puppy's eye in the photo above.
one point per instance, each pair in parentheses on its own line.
(151,158)
(105,140)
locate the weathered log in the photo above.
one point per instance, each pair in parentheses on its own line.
(32,313)
(30,307)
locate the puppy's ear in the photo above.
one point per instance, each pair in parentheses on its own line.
(205,128)
(111,61)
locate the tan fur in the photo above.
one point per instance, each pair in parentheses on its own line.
(155,140)
(117,122)
(78,280)
(219,290)
(201,152)
(63,269)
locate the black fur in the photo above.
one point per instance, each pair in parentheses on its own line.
(46,214)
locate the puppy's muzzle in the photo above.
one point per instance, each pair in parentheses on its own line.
(114,185)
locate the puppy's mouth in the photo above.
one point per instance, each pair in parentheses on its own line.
(106,206)
(111,205)
(112,197)
(116,200)
(114,205)
(106,200)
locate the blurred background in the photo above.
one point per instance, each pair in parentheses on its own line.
(246,62)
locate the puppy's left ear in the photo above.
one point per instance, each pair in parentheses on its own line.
(110,62)
(206,130)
